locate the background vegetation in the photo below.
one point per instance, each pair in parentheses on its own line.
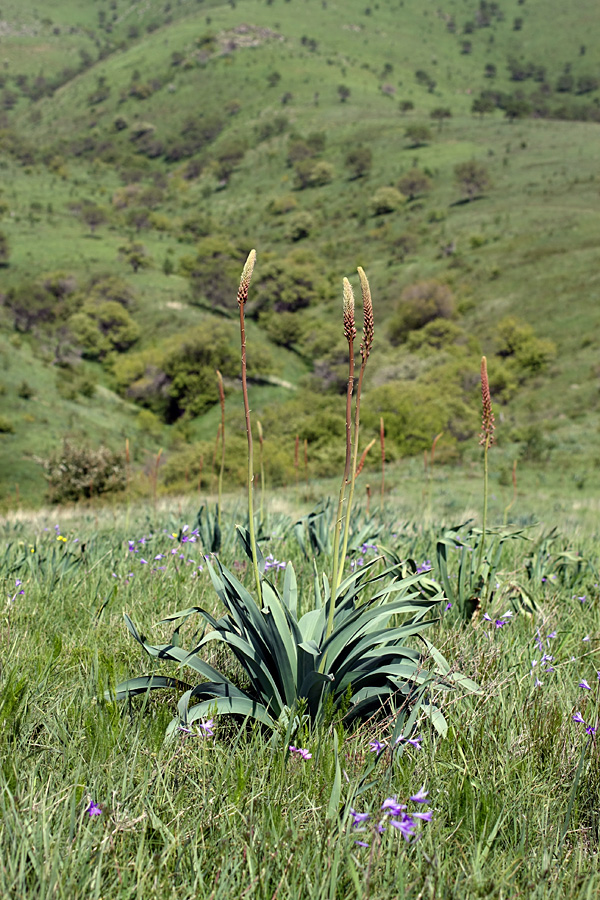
(146,148)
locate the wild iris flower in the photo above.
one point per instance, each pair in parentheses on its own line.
(300,752)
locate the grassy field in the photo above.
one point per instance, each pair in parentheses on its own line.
(96,803)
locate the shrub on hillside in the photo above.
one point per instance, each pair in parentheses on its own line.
(313,173)
(419,304)
(298,226)
(518,343)
(78,470)
(213,272)
(103,327)
(290,284)
(386,200)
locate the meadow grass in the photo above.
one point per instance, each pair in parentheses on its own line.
(235,814)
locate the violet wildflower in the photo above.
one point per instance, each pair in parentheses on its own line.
(93,809)
(590,730)
(405,826)
(500,623)
(377,747)
(583,684)
(425,816)
(578,718)
(586,638)
(392,807)
(538,683)
(447,607)
(420,796)
(300,752)
(359,818)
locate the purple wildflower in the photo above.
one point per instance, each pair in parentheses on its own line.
(420,796)
(377,747)
(583,684)
(300,751)
(359,818)
(405,826)
(425,816)
(392,807)
(590,730)
(578,718)
(93,809)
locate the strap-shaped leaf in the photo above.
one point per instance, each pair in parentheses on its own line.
(234,706)
(312,625)
(290,590)
(144,683)
(436,718)
(244,537)
(259,668)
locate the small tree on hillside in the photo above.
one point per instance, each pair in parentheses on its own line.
(418,135)
(93,216)
(472,178)
(359,161)
(414,183)
(483,105)
(4,249)
(439,114)
(343,92)
(136,256)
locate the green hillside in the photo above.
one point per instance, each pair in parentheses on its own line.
(145,148)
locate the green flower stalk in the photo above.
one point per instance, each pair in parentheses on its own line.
(349,334)
(365,350)
(382,443)
(486,439)
(222,467)
(261,464)
(242,297)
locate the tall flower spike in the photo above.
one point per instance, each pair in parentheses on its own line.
(368,323)
(349,324)
(242,294)
(487,418)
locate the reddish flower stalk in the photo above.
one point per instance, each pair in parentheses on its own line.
(487,417)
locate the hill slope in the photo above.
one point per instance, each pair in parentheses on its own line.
(156,143)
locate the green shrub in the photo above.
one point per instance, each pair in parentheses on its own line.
(25,391)
(419,304)
(6,425)
(78,470)
(282,204)
(517,342)
(298,226)
(386,200)
(313,173)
